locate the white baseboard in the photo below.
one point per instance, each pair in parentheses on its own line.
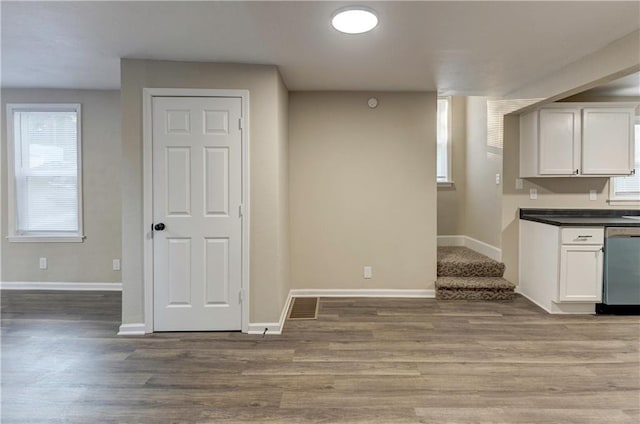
(577,308)
(272,327)
(427,293)
(473,244)
(132,330)
(259,327)
(38,285)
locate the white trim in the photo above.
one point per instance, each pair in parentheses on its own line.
(624,202)
(11,199)
(486,249)
(273,328)
(408,293)
(59,285)
(132,330)
(45,239)
(572,308)
(448,182)
(147,166)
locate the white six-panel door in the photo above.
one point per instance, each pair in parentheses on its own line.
(197,195)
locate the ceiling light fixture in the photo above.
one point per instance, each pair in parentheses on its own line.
(354,20)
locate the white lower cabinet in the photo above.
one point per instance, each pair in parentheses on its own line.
(561,268)
(580,273)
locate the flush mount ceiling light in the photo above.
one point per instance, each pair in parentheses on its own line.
(354,20)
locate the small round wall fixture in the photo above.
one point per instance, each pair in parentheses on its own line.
(354,20)
(372,102)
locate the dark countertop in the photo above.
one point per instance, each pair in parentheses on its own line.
(582,217)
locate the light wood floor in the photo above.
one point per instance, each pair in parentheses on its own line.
(363,361)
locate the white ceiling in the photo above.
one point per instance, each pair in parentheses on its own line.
(470,48)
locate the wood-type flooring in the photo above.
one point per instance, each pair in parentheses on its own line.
(364,360)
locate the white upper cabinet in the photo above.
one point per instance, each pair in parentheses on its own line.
(577,139)
(558,141)
(607,141)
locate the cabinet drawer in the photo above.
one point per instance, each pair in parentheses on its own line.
(582,235)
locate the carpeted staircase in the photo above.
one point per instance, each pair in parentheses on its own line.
(464,274)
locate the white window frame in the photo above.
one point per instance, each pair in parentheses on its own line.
(41,237)
(448,181)
(626,200)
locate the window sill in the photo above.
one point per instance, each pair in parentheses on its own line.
(625,202)
(445,183)
(45,239)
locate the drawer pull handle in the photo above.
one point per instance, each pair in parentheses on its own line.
(583,237)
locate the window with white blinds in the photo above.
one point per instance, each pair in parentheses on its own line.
(628,188)
(45,193)
(443,139)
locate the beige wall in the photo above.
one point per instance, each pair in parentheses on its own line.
(483,197)
(362,190)
(90,261)
(451,199)
(268,174)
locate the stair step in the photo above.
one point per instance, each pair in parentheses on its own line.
(456,261)
(474,283)
(474,288)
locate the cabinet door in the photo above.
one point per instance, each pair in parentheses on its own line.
(607,141)
(559,141)
(580,273)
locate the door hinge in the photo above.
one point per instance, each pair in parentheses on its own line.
(241,296)
(633,171)
(240,123)
(240,211)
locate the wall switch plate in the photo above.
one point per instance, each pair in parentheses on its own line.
(519,183)
(593,195)
(368,272)
(533,193)
(497,179)
(116,264)
(43,263)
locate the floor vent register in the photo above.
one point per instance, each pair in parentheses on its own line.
(304,308)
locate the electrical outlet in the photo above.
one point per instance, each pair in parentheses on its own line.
(519,183)
(533,193)
(43,263)
(368,272)
(593,195)
(497,179)
(116,264)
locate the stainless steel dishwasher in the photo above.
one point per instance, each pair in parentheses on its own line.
(622,270)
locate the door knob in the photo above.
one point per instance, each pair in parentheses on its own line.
(159,227)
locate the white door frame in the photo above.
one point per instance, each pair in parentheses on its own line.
(147,165)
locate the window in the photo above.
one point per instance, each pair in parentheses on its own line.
(443,154)
(627,189)
(45,178)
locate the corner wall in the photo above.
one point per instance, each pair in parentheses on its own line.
(483,197)
(362,190)
(90,261)
(268,173)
